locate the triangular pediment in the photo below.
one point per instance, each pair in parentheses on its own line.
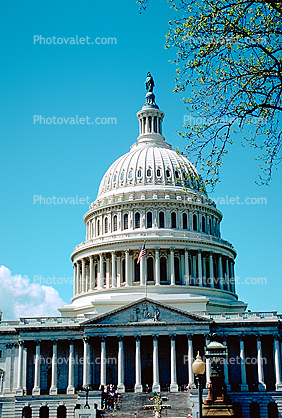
(146,311)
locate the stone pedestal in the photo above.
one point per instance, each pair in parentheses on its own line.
(85,413)
(223,411)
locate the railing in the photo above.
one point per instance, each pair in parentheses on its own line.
(244,315)
(46,320)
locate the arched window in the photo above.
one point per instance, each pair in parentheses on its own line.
(149,172)
(130,174)
(161,220)
(98,227)
(173,220)
(150,269)
(115,223)
(177,174)
(167,172)
(137,220)
(185,221)
(176,270)
(163,269)
(61,411)
(254,410)
(136,271)
(195,223)
(44,412)
(203,224)
(139,173)
(149,219)
(125,221)
(272,410)
(158,172)
(26,413)
(106,225)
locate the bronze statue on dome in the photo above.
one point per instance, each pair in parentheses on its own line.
(149,82)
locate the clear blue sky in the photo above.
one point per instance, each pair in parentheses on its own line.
(69,160)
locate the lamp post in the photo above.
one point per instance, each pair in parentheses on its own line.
(86,388)
(198,368)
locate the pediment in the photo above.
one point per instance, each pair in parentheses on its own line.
(146,311)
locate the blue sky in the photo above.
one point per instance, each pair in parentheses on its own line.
(69,160)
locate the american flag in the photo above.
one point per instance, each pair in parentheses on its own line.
(142,253)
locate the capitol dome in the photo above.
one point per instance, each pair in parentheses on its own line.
(153,195)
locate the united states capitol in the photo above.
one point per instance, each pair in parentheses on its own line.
(138,324)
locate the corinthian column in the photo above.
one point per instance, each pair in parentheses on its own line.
(120,385)
(261,384)
(156,384)
(101,273)
(173,374)
(114,273)
(37,361)
(276,347)
(54,389)
(244,386)
(157,267)
(172,272)
(138,385)
(19,390)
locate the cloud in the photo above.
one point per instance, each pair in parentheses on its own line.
(19,297)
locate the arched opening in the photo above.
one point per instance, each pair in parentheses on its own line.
(137,220)
(150,269)
(195,223)
(44,412)
(173,220)
(98,227)
(106,225)
(272,410)
(161,220)
(136,271)
(125,221)
(203,224)
(26,413)
(163,269)
(62,411)
(238,410)
(176,270)
(254,410)
(184,221)
(149,219)
(115,223)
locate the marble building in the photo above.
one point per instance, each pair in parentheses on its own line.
(136,324)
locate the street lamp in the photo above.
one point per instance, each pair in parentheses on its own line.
(199,368)
(86,388)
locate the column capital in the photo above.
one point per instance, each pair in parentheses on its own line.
(54,340)
(83,260)
(38,341)
(241,337)
(91,257)
(155,337)
(137,337)
(85,338)
(172,336)
(119,337)
(103,338)
(71,340)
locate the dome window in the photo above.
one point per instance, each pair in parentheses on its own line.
(150,269)
(122,176)
(109,179)
(98,227)
(149,220)
(161,220)
(115,178)
(167,172)
(173,220)
(195,223)
(184,221)
(163,269)
(130,174)
(106,225)
(115,223)
(159,173)
(137,220)
(125,221)
(149,172)
(203,224)
(177,176)
(139,173)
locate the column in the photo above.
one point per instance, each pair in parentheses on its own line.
(157,267)
(138,388)
(91,272)
(103,363)
(173,373)
(71,388)
(244,386)
(227,275)
(83,275)
(232,276)
(208,366)
(127,267)
(142,271)
(24,368)
(19,389)
(194,271)
(204,261)
(186,268)
(78,290)
(37,360)
(86,362)
(120,385)
(101,273)
(190,362)
(225,369)
(172,272)
(7,378)
(114,273)
(276,347)
(53,389)
(261,384)
(200,269)
(211,272)
(74,279)
(220,272)
(156,384)
(107,273)
(118,271)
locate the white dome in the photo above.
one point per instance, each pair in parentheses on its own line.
(151,162)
